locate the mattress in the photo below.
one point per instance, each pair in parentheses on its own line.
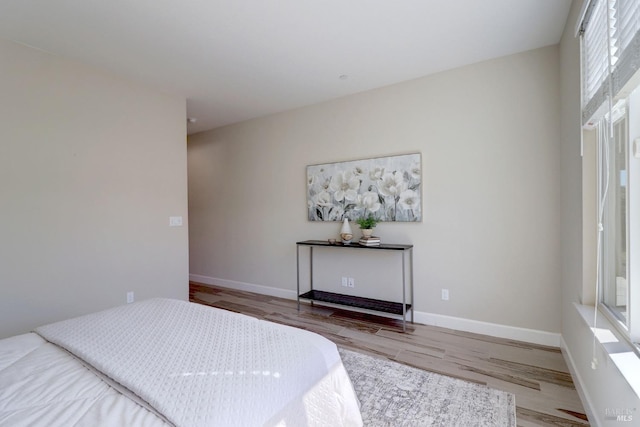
(168,362)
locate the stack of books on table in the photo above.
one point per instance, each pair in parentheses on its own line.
(370,241)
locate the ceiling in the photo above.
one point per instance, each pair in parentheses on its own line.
(238,59)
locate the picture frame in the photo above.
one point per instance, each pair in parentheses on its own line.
(387,188)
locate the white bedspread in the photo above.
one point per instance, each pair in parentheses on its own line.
(200,366)
(43,385)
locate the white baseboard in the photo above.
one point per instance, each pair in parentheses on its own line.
(241,286)
(492,329)
(450,322)
(579,383)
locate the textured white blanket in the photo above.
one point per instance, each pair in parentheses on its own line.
(200,366)
(42,385)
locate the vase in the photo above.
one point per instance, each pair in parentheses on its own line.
(367,232)
(346,228)
(345,232)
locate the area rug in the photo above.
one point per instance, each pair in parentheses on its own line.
(393,394)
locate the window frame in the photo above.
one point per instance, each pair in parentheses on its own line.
(630,328)
(610,24)
(633,215)
(614,235)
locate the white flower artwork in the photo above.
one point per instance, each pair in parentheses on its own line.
(389,188)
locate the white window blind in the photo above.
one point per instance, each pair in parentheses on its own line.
(629,39)
(628,22)
(594,45)
(610,51)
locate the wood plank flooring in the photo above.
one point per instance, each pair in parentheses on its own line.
(537,375)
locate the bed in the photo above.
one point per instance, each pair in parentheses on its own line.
(166,362)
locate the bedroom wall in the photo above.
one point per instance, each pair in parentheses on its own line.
(489,139)
(91,168)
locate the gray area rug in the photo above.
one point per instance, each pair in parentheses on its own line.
(393,394)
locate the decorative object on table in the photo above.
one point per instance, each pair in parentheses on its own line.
(332,241)
(369,241)
(388,187)
(367,224)
(345,232)
(367,232)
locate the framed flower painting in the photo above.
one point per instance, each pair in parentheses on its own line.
(389,188)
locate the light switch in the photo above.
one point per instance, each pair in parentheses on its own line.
(175,221)
(636,148)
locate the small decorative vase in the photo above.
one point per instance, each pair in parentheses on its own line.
(367,232)
(345,232)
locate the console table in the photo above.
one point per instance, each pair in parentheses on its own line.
(397,308)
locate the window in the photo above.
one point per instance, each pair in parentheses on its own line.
(610,33)
(618,136)
(614,218)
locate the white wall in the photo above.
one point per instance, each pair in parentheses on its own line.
(91,167)
(489,139)
(603,389)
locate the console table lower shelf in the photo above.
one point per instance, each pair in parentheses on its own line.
(358,302)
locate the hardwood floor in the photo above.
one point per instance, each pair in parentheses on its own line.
(536,375)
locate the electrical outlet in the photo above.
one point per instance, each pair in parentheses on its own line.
(352,282)
(344,281)
(445,295)
(130,297)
